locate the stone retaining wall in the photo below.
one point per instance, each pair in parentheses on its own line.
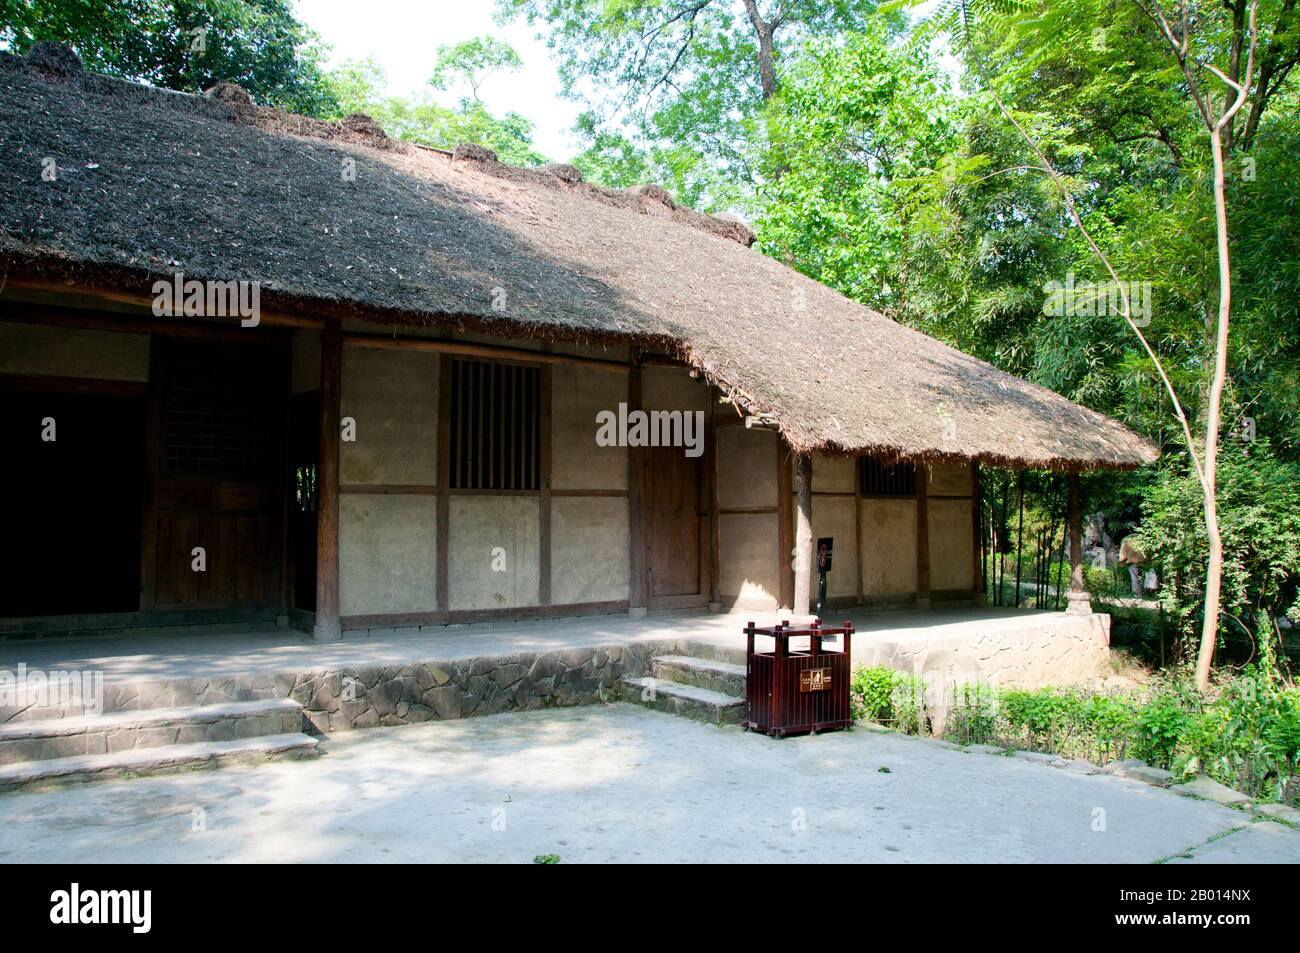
(1060,650)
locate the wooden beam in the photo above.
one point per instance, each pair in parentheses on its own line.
(922,536)
(52,384)
(328,627)
(486,351)
(803,536)
(129,303)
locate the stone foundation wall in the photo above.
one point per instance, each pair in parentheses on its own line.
(431,691)
(1060,650)
(383,695)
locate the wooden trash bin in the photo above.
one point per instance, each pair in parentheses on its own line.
(796,692)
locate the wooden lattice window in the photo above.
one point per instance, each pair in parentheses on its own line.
(217,421)
(876,478)
(496,426)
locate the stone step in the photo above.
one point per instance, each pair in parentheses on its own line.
(55,738)
(726,678)
(153,693)
(733,653)
(688,701)
(141,761)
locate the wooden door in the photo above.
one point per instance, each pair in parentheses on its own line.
(676,522)
(218,413)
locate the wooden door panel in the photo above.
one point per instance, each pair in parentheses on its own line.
(220,415)
(675,529)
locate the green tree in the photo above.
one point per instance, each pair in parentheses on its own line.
(358,86)
(186,44)
(684,82)
(472,61)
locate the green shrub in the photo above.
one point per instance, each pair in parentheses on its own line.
(871,693)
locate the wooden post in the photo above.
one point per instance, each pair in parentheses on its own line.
(442,531)
(714,526)
(922,536)
(803,535)
(1079,601)
(328,627)
(977,534)
(544,497)
(784,527)
(638,600)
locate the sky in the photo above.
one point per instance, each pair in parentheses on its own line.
(403,37)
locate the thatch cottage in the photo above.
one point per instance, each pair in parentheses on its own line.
(255,366)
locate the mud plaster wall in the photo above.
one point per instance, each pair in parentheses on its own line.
(748,547)
(67,352)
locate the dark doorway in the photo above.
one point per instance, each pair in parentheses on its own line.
(675,529)
(219,412)
(71,540)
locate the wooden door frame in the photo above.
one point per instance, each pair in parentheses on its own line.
(278,488)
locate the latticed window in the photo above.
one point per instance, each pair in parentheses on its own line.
(496,415)
(876,478)
(216,421)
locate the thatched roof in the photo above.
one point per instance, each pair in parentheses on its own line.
(150,182)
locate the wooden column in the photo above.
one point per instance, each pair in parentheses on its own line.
(328,627)
(715,531)
(637,600)
(442,531)
(1079,601)
(784,527)
(977,535)
(922,536)
(544,497)
(803,536)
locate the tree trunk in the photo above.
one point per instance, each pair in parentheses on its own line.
(1214,567)
(766,56)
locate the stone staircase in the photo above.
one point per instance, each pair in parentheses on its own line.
(72,745)
(704,683)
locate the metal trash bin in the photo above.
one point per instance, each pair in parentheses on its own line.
(795,692)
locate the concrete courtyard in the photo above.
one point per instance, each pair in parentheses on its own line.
(622,784)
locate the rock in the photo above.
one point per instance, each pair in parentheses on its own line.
(872,726)
(446,701)
(1077,765)
(1039,756)
(1209,789)
(986,749)
(1279,812)
(1139,771)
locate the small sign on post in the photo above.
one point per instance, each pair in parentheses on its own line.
(825,546)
